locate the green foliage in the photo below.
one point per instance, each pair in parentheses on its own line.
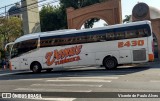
(127,19)
(55,18)
(10,29)
(90,22)
(78,3)
(52,18)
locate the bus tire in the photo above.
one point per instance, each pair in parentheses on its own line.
(110,63)
(36,67)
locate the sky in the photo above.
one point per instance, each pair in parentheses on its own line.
(127,5)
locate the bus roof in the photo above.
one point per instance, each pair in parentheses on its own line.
(36,35)
(72,31)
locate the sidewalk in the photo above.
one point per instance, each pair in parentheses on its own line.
(155,63)
(1,69)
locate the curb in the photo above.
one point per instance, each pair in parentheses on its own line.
(151,63)
(1,69)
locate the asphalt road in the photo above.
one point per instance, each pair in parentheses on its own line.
(85,84)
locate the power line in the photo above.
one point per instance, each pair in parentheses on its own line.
(23,7)
(13,4)
(40,6)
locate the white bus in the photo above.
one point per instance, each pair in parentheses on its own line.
(108,46)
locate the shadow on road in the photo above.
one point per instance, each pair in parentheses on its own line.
(79,72)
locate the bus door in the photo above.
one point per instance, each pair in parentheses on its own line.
(14,61)
(125,56)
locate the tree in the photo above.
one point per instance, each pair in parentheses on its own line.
(10,29)
(78,3)
(52,18)
(55,18)
(127,19)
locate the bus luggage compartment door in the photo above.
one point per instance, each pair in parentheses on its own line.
(125,56)
(87,59)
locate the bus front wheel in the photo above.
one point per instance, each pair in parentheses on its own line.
(36,67)
(110,63)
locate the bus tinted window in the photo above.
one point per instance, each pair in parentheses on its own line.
(14,52)
(131,34)
(28,45)
(120,35)
(23,47)
(98,36)
(110,36)
(142,33)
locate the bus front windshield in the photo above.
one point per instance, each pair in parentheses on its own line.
(14,51)
(22,47)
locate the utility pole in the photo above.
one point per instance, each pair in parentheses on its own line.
(30,16)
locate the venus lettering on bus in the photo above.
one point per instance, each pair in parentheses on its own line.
(76,58)
(63,56)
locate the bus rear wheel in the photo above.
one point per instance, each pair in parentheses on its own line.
(36,67)
(110,63)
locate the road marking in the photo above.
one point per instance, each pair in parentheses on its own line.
(155,81)
(78,80)
(91,77)
(121,75)
(51,90)
(31,79)
(83,79)
(7,74)
(4,74)
(56,99)
(126,66)
(51,74)
(67,85)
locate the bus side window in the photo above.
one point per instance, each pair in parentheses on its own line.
(102,37)
(89,38)
(131,34)
(57,41)
(95,38)
(42,43)
(140,33)
(61,41)
(27,46)
(119,35)
(69,41)
(80,39)
(111,36)
(73,40)
(65,41)
(107,35)
(146,32)
(52,42)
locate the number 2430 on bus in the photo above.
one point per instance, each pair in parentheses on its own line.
(131,43)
